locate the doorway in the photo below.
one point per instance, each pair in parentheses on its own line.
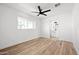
(53,28)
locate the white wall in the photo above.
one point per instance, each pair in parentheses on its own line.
(9,35)
(44,28)
(75,18)
(64,17)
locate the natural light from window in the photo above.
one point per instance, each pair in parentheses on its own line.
(23,23)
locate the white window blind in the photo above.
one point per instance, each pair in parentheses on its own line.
(23,23)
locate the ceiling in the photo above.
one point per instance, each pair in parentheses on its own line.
(28,8)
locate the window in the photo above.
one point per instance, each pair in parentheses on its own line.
(23,23)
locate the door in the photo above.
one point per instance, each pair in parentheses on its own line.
(53,28)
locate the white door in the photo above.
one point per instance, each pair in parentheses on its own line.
(53,28)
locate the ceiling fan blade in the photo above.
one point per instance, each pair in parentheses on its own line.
(41,14)
(35,12)
(56,5)
(46,11)
(39,8)
(44,14)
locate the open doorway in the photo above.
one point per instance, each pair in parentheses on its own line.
(53,28)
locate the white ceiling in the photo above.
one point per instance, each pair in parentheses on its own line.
(28,8)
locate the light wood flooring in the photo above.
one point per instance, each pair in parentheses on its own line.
(41,46)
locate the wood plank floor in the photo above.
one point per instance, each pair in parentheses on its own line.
(41,46)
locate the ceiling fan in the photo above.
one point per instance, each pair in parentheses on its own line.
(41,12)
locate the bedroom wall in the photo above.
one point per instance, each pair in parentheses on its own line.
(9,34)
(64,16)
(75,17)
(64,29)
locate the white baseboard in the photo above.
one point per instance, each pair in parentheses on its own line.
(20,42)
